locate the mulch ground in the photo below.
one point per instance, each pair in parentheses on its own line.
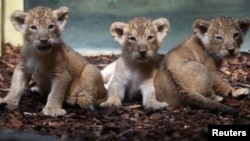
(129,122)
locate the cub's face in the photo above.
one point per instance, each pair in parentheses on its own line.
(140,37)
(222,36)
(41,27)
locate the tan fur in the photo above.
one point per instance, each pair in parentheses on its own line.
(58,71)
(135,69)
(188,74)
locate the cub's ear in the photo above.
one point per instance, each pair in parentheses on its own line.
(244,24)
(62,15)
(18,18)
(162,26)
(117,30)
(200,27)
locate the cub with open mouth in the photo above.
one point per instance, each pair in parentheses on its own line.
(57,69)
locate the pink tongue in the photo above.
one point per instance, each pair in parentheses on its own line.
(46,44)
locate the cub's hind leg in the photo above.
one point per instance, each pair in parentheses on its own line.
(89,89)
(198,89)
(194,77)
(83,99)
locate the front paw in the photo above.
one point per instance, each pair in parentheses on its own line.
(2,103)
(240,92)
(53,111)
(154,105)
(111,102)
(10,104)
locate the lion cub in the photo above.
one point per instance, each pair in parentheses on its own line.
(58,71)
(188,74)
(136,67)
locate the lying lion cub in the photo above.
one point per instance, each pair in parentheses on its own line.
(188,74)
(58,71)
(135,69)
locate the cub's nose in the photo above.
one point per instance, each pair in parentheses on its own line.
(43,40)
(231,51)
(142,50)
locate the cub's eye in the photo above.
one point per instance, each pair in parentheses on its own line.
(218,37)
(33,27)
(132,38)
(150,37)
(51,26)
(236,35)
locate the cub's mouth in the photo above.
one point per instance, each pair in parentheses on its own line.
(44,46)
(142,58)
(231,54)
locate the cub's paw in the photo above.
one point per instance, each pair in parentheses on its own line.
(154,105)
(111,102)
(217,98)
(10,104)
(53,111)
(2,103)
(240,92)
(82,101)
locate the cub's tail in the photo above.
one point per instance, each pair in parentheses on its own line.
(201,102)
